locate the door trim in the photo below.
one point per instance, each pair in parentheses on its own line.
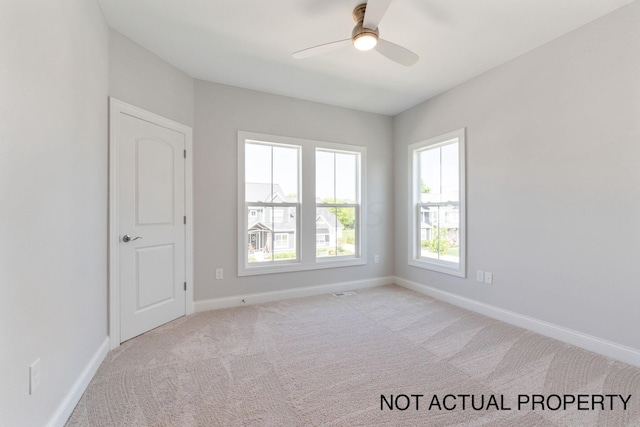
(117,107)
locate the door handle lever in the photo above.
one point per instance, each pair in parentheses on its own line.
(126,238)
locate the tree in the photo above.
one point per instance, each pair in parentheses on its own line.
(424,188)
(439,244)
(346,216)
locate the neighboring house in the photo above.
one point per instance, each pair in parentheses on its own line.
(446,217)
(328,230)
(265,221)
(440,210)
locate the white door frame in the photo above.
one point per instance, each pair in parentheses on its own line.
(116,108)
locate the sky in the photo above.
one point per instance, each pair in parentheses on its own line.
(439,172)
(335,171)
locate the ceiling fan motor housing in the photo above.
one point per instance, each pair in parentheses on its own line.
(359,31)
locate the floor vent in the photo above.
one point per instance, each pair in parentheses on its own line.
(344,294)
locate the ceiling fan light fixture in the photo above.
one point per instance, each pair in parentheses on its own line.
(364,38)
(365,41)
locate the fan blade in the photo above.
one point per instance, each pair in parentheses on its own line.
(320,49)
(374,13)
(396,53)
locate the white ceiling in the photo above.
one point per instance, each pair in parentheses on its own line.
(248,43)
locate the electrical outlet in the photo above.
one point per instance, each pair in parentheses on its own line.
(488,278)
(376,258)
(219,274)
(34,376)
(480,275)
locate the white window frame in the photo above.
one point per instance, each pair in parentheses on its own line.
(306,232)
(442,266)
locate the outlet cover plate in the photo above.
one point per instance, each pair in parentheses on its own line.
(488,278)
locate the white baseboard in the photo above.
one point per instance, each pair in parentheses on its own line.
(73,397)
(588,342)
(262,297)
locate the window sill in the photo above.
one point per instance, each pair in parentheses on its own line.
(320,264)
(454,269)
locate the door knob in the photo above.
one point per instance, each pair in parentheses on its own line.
(126,238)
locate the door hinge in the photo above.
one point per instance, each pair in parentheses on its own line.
(185,286)
(185,219)
(185,154)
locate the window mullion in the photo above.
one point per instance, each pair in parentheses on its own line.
(308,208)
(335,200)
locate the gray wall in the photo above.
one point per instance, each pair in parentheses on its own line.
(553,154)
(223,110)
(143,79)
(53,200)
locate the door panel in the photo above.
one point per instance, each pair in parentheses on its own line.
(154,278)
(151,195)
(155,193)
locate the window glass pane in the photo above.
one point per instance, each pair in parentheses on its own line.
(430,175)
(259,233)
(271,173)
(271,234)
(450,176)
(325,176)
(335,231)
(285,229)
(439,174)
(346,231)
(257,172)
(346,178)
(285,174)
(439,232)
(325,233)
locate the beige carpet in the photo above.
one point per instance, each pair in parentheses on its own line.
(326,360)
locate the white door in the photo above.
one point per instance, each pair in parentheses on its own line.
(151,224)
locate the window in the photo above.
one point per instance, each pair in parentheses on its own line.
(337,202)
(291,190)
(271,184)
(437,204)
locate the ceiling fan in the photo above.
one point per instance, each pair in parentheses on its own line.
(365,36)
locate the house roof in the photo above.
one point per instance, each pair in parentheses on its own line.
(277,227)
(262,192)
(325,216)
